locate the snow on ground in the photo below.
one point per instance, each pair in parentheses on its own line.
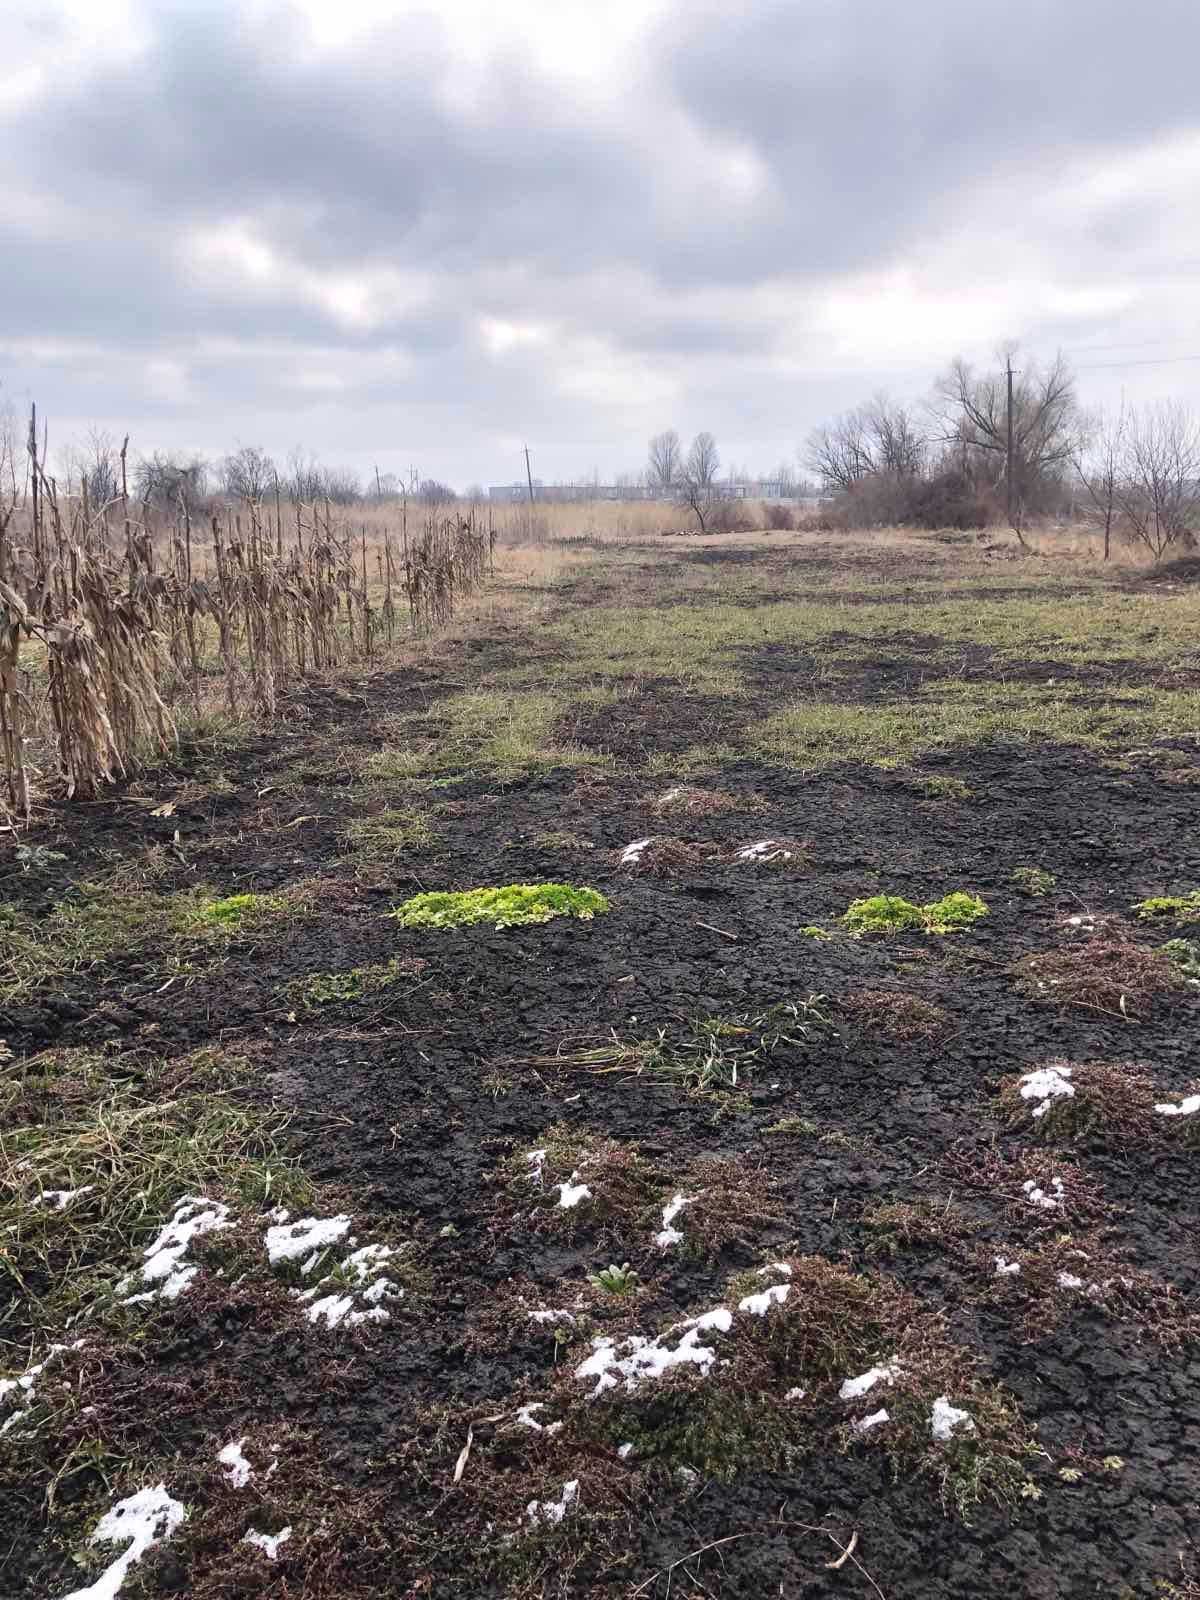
(307,1237)
(238,1470)
(268,1543)
(765,850)
(60,1199)
(161,1267)
(667,1235)
(632,853)
(635,1361)
(24,1388)
(553,1511)
(759,1304)
(572,1192)
(1052,1199)
(1189,1107)
(143,1519)
(1045,1085)
(875,1420)
(945,1420)
(854,1388)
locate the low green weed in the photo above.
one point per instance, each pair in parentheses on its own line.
(890,913)
(1183,908)
(511,906)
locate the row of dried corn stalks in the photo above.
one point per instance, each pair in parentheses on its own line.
(109,625)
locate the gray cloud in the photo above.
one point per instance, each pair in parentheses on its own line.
(397,244)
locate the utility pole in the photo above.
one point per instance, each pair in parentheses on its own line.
(529,474)
(1008,474)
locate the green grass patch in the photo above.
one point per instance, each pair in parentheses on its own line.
(236,913)
(511,906)
(394,832)
(891,913)
(507,734)
(1182,908)
(339,988)
(127,1138)
(1033,881)
(1184,954)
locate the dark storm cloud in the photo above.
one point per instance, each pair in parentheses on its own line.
(652,221)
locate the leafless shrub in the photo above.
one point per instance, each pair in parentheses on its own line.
(1111,1101)
(691,802)
(1157,480)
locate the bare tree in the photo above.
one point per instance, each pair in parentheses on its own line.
(434,493)
(839,452)
(167,481)
(699,476)
(703,462)
(1158,480)
(305,478)
(895,441)
(1100,469)
(1049,428)
(665,466)
(248,474)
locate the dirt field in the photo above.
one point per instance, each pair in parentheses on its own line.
(627,1229)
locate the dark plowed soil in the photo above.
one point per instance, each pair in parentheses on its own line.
(410,1098)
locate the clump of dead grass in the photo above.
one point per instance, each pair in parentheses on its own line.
(1110,974)
(893,1014)
(663,855)
(1107,1102)
(1058,1277)
(688,801)
(924,1224)
(1012,1180)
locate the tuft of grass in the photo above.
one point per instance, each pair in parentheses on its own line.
(812,931)
(236,913)
(1183,954)
(714,1052)
(340,988)
(898,1016)
(903,1224)
(1110,974)
(1181,908)
(388,834)
(890,913)
(689,801)
(513,905)
(936,787)
(131,1136)
(1111,1103)
(1034,881)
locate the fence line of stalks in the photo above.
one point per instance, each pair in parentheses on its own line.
(138,620)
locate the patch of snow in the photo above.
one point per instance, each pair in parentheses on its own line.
(527,1419)
(1068,1280)
(192,1219)
(759,1304)
(268,1543)
(334,1309)
(945,1418)
(636,1360)
(668,1235)
(1007,1269)
(279,1214)
(1037,1196)
(552,1316)
(143,1519)
(553,1511)
(537,1160)
(307,1236)
(238,1470)
(625,1451)
(1188,1107)
(795,1394)
(865,1424)
(775,1266)
(571,1193)
(60,1199)
(632,853)
(852,1388)
(764,850)
(24,1387)
(1045,1085)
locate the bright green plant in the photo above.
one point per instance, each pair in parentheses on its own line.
(1034,881)
(813,932)
(615,1280)
(1185,954)
(891,913)
(235,912)
(935,787)
(1183,907)
(506,907)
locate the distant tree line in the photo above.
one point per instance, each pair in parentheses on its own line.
(968,456)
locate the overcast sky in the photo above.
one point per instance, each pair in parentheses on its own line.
(426,235)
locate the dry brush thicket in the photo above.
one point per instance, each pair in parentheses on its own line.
(115,620)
